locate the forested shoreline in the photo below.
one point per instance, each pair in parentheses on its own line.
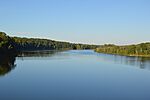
(16,44)
(7,44)
(11,45)
(142,49)
(25,44)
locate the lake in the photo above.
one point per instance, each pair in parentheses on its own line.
(74,75)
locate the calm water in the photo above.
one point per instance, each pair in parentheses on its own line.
(74,75)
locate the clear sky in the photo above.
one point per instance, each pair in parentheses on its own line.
(82,21)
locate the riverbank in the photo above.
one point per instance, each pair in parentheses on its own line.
(125,55)
(138,50)
(12,44)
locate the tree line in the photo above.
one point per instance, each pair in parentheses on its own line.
(14,44)
(7,45)
(142,49)
(25,44)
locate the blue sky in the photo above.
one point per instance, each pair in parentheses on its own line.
(79,21)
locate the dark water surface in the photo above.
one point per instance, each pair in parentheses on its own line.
(74,75)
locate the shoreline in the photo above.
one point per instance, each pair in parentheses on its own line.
(148,56)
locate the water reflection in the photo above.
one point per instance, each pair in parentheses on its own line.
(141,62)
(40,55)
(37,53)
(7,63)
